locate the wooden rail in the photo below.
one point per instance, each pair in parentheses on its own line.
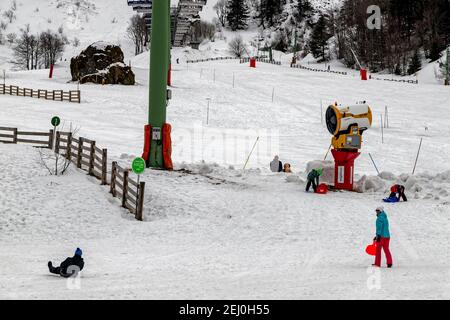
(55,95)
(299,66)
(14,136)
(210,59)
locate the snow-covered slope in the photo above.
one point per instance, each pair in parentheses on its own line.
(87,20)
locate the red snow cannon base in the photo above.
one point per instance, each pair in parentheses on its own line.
(371,249)
(322,189)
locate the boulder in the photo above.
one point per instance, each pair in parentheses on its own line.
(101,63)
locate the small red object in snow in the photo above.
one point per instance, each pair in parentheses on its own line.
(322,189)
(371,249)
(252,63)
(363,74)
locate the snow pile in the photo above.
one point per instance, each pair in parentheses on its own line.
(369,184)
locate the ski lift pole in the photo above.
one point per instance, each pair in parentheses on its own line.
(326,155)
(374,163)
(251,152)
(417,158)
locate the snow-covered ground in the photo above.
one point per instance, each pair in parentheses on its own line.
(221,232)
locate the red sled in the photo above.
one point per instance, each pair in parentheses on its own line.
(371,249)
(322,189)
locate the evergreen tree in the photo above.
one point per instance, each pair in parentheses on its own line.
(435,51)
(238,14)
(270,10)
(415,63)
(319,39)
(304,10)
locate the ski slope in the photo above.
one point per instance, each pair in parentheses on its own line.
(220,232)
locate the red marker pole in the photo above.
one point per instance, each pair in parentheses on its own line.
(51,71)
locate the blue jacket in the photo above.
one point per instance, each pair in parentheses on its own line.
(383,225)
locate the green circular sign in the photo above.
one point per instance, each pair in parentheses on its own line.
(56,121)
(138,166)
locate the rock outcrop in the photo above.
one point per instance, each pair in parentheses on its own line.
(101,63)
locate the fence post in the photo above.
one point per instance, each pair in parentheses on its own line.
(58,141)
(50,139)
(140,209)
(92,159)
(112,189)
(80,152)
(69,146)
(15,135)
(104,166)
(125,188)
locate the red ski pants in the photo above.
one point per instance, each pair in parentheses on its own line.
(383,244)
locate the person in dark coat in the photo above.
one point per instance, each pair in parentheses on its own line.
(276,165)
(70,266)
(313,179)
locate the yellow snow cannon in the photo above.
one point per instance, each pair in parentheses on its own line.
(347,124)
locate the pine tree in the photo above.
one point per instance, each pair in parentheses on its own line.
(304,10)
(415,63)
(319,39)
(270,9)
(238,14)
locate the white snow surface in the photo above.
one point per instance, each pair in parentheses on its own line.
(220,232)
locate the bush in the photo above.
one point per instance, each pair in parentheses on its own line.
(237,46)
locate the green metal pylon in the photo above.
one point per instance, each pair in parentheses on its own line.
(159,66)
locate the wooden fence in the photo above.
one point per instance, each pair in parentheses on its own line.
(299,66)
(56,95)
(14,136)
(261,59)
(85,154)
(395,80)
(210,59)
(129,191)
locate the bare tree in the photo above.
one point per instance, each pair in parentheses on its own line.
(202,30)
(237,46)
(55,163)
(22,49)
(221,8)
(138,33)
(52,47)
(10,15)
(11,37)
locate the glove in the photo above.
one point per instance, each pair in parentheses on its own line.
(377,239)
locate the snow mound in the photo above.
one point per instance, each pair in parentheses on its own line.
(294,179)
(370,184)
(385,175)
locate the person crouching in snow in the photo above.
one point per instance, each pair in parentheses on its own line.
(287,168)
(397,193)
(70,266)
(276,165)
(313,179)
(383,238)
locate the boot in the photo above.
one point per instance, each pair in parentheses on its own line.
(389,265)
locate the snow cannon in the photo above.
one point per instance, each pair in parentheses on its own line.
(347,125)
